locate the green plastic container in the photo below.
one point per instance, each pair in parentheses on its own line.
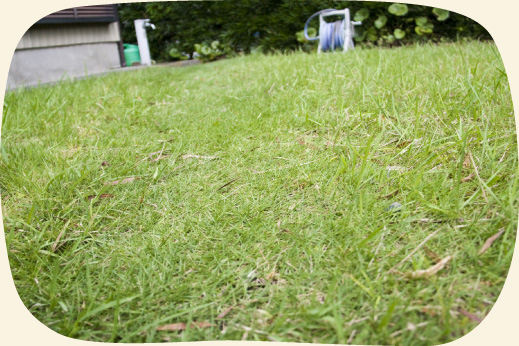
(131,54)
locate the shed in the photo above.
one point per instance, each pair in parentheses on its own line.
(74,42)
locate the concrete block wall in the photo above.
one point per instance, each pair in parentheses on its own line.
(49,53)
(29,67)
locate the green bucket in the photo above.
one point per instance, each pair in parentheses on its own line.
(131,54)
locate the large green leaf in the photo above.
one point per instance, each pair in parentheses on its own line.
(361,14)
(372,34)
(381,21)
(205,50)
(359,35)
(427,28)
(399,34)
(300,35)
(398,9)
(441,14)
(175,53)
(421,21)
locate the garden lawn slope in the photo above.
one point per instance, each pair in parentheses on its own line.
(251,196)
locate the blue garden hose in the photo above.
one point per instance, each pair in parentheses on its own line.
(330,34)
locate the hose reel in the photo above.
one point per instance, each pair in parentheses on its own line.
(336,35)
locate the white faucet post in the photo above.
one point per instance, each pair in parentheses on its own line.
(142,39)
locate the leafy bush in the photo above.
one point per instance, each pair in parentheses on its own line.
(213,51)
(275,25)
(306,45)
(176,54)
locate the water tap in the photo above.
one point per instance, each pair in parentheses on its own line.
(148,24)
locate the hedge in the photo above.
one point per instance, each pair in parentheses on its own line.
(234,26)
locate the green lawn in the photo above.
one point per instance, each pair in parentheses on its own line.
(261,193)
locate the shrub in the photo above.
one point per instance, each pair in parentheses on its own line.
(275,25)
(214,51)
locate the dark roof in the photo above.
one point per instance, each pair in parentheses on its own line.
(87,14)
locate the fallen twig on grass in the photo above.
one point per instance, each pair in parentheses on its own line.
(104,195)
(177,167)
(392,194)
(199,157)
(55,245)
(227,184)
(272,87)
(410,327)
(415,249)
(503,157)
(124,181)
(489,241)
(479,178)
(427,272)
(468,178)
(249,329)
(473,317)
(355,321)
(160,157)
(183,326)
(437,221)
(224,313)
(352,335)
(150,155)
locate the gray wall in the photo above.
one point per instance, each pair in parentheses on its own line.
(43,65)
(47,53)
(52,35)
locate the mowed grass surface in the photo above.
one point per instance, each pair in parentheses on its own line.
(282,218)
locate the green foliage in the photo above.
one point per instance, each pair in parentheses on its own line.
(300,35)
(307,45)
(399,34)
(398,24)
(245,26)
(361,14)
(421,21)
(440,14)
(210,52)
(371,34)
(423,26)
(398,9)
(177,54)
(381,22)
